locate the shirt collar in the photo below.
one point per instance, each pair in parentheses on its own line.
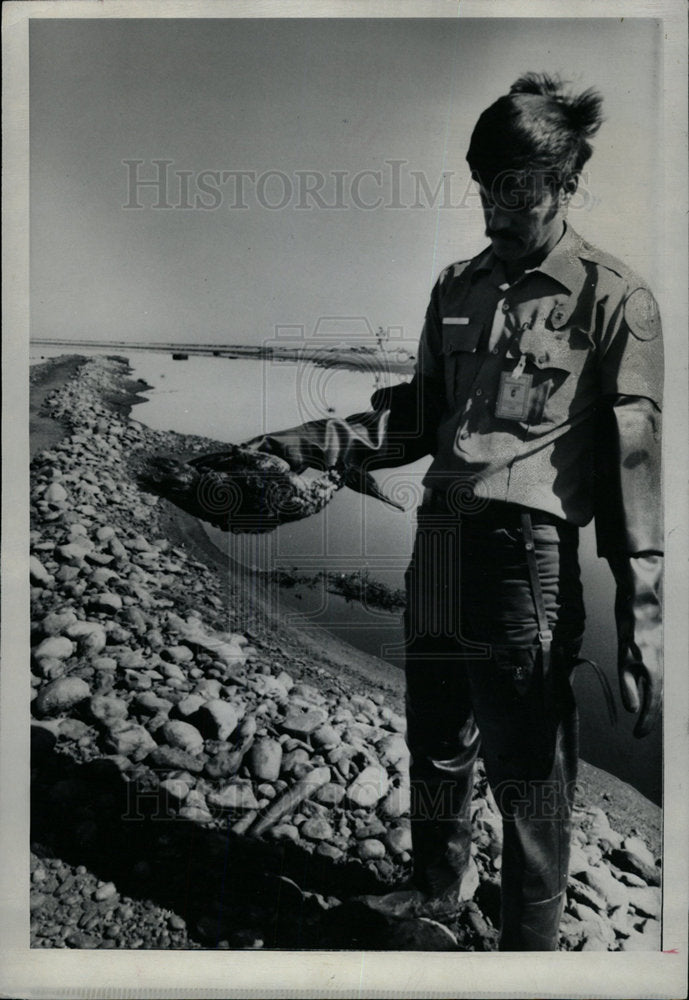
(562,263)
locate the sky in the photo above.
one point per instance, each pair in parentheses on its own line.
(297,104)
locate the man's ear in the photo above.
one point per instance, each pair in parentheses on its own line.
(568,189)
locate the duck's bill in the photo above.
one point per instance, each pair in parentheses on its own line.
(363,482)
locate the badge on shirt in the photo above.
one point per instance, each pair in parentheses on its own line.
(513,394)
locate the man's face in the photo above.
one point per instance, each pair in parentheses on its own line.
(524,218)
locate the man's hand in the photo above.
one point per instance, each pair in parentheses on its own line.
(641,680)
(640,638)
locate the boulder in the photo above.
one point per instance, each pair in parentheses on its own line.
(369,787)
(316,828)
(264,759)
(182,736)
(371,849)
(218,719)
(131,741)
(239,795)
(56,647)
(393,750)
(60,695)
(38,574)
(397,802)
(302,721)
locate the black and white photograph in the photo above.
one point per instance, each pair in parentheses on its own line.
(344,565)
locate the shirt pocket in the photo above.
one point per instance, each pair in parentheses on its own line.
(461,337)
(556,362)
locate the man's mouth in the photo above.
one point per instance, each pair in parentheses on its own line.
(503,237)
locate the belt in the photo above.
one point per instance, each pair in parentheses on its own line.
(497,513)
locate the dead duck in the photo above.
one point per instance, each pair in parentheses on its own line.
(244,490)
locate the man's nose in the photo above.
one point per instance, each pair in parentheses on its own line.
(497,219)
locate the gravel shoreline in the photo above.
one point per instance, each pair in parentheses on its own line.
(205,776)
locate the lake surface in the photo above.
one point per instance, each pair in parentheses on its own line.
(233,400)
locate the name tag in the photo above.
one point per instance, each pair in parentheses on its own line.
(513,396)
(456,320)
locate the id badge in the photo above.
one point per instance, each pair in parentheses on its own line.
(513,396)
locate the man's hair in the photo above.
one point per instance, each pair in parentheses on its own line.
(538,127)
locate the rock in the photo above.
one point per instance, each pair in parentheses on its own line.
(582,893)
(149,703)
(89,635)
(600,879)
(470,882)
(189,705)
(628,878)
(646,940)
(130,741)
(316,828)
(235,796)
(225,763)
(269,687)
(285,831)
(178,654)
(264,760)
(107,708)
(106,891)
(108,602)
(57,621)
(619,921)
(630,861)
(647,900)
(182,736)
(56,493)
(397,723)
(73,729)
(104,663)
(326,850)
(301,721)
(60,695)
(56,647)
(330,794)
(49,668)
(218,719)
(307,693)
(638,849)
(38,574)
(325,736)
(397,802)
(195,814)
(174,759)
(393,750)
(175,788)
(370,828)
(399,840)
(286,680)
(371,849)
(293,758)
(369,787)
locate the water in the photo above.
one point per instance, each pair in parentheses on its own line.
(233,400)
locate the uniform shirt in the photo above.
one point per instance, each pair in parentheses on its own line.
(588,329)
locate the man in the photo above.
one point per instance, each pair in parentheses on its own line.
(538,393)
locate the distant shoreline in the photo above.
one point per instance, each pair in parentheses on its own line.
(358,357)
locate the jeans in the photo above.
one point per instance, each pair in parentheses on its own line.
(475,680)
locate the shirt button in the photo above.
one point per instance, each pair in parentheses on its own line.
(494,351)
(479,392)
(505,307)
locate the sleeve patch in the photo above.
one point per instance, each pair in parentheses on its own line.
(641,315)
